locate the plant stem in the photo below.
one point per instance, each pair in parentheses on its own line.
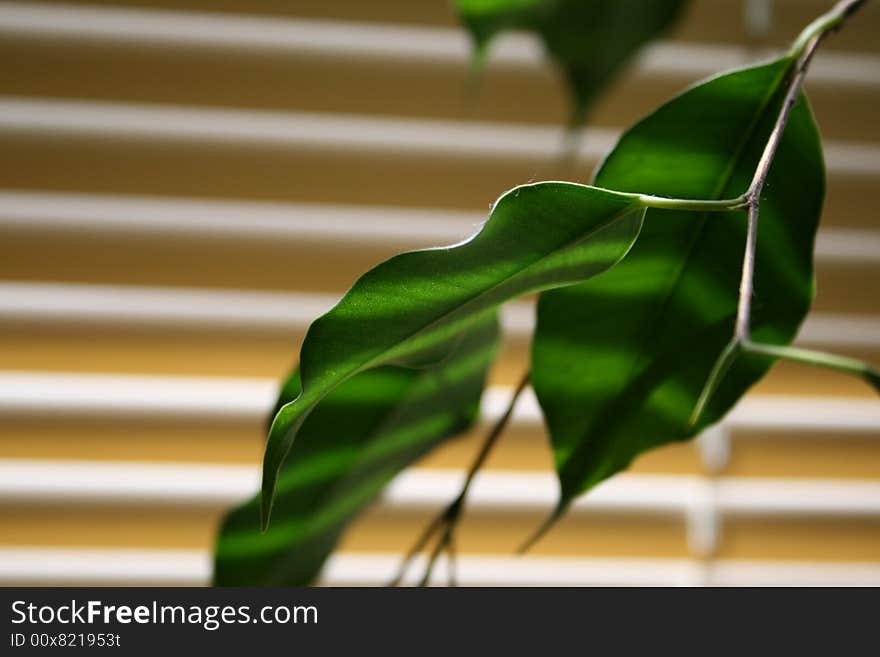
(753,194)
(747,280)
(448,519)
(417,547)
(802,52)
(445,540)
(494,434)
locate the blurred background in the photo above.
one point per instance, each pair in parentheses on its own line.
(185,185)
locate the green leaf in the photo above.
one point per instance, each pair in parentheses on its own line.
(412,308)
(356,440)
(591,40)
(619,361)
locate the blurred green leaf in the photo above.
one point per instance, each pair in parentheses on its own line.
(619,361)
(349,448)
(412,309)
(591,40)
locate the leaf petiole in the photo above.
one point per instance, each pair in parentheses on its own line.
(719,370)
(816,358)
(692,205)
(795,354)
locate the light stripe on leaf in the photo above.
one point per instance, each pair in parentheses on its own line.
(360,436)
(537,237)
(619,361)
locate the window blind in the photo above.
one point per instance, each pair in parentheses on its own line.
(182,191)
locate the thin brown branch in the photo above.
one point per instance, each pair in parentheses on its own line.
(448,519)
(417,547)
(803,50)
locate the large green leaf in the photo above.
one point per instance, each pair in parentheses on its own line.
(619,361)
(412,308)
(591,40)
(356,440)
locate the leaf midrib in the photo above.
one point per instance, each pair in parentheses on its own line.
(700,232)
(495,286)
(382,356)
